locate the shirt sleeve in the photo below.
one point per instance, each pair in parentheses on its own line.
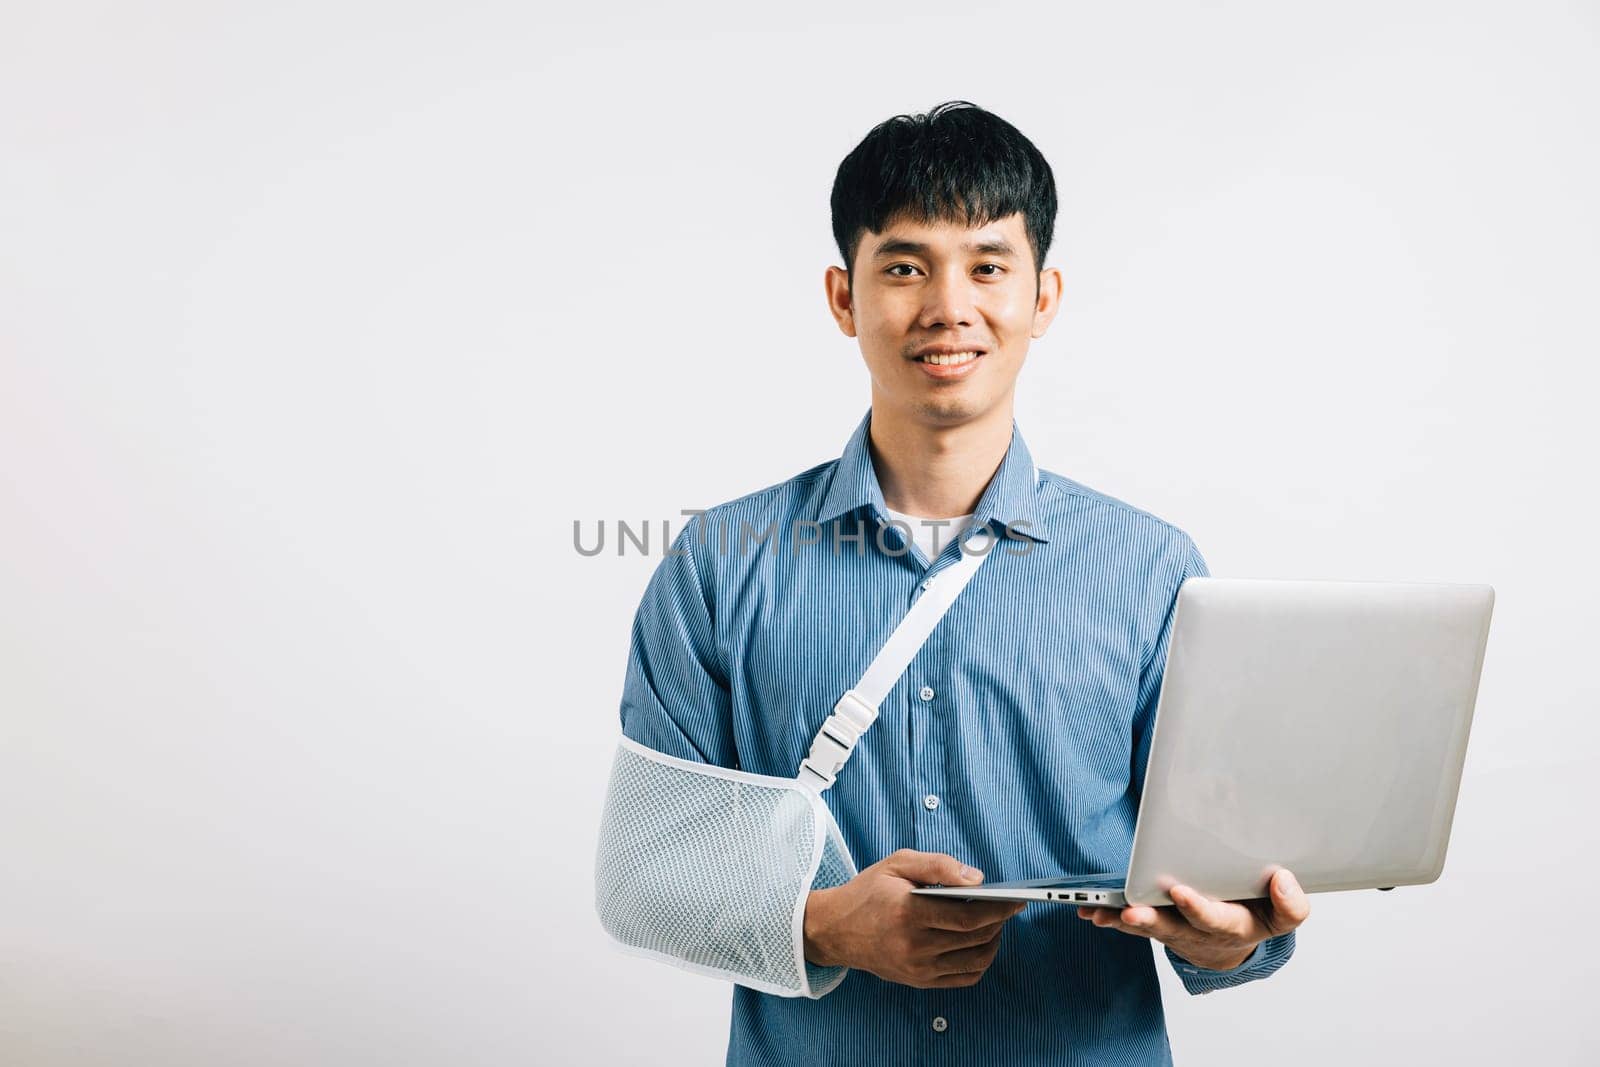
(675,695)
(1274,952)
(1268,956)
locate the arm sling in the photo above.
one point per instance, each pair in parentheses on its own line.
(708,868)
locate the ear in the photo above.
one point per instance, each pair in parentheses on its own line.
(1049,302)
(836,284)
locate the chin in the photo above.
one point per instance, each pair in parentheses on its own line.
(948,410)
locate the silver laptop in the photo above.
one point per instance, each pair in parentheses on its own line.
(1318,726)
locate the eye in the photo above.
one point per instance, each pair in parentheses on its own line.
(998,269)
(896,267)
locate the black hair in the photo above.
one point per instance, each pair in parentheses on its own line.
(957,163)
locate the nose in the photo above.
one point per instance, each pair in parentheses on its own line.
(948,301)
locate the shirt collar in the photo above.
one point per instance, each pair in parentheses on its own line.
(1009,498)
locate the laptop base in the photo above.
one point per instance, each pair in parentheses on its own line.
(1103,891)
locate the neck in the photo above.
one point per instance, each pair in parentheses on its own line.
(936,472)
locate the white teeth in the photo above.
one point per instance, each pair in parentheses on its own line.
(950,360)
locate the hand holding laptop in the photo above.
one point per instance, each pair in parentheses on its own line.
(1218,935)
(875,923)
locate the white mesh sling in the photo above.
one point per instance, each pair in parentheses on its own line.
(708,868)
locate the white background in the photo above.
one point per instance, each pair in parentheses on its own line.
(320,324)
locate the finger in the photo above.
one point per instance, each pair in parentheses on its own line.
(1290,905)
(1103,915)
(1212,916)
(943,941)
(1131,916)
(1159,923)
(954,981)
(966,960)
(939,913)
(1097,915)
(929,868)
(1111,918)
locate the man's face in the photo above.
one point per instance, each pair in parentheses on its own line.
(935,289)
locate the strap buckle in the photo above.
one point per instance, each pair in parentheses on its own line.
(837,738)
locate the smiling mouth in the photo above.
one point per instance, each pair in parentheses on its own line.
(953,359)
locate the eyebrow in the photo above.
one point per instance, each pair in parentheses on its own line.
(899,246)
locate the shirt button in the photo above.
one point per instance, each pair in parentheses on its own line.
(930,802)
(940,1024)
(927,583)
(926,692)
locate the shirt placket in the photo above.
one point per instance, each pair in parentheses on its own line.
(925,693)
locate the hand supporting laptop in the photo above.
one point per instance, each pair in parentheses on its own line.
(875,923)
(1218,935)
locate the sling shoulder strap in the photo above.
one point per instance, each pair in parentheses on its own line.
(857,710)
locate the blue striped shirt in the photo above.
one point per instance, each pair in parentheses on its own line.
(1027,714)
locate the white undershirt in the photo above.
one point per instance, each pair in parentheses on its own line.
(924,535)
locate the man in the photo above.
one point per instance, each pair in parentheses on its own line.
(1015,744)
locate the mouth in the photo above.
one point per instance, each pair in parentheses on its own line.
(949,359)
(945,365)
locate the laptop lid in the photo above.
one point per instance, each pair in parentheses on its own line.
(1319,726)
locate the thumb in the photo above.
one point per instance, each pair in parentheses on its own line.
(926,868)
(1288,899)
